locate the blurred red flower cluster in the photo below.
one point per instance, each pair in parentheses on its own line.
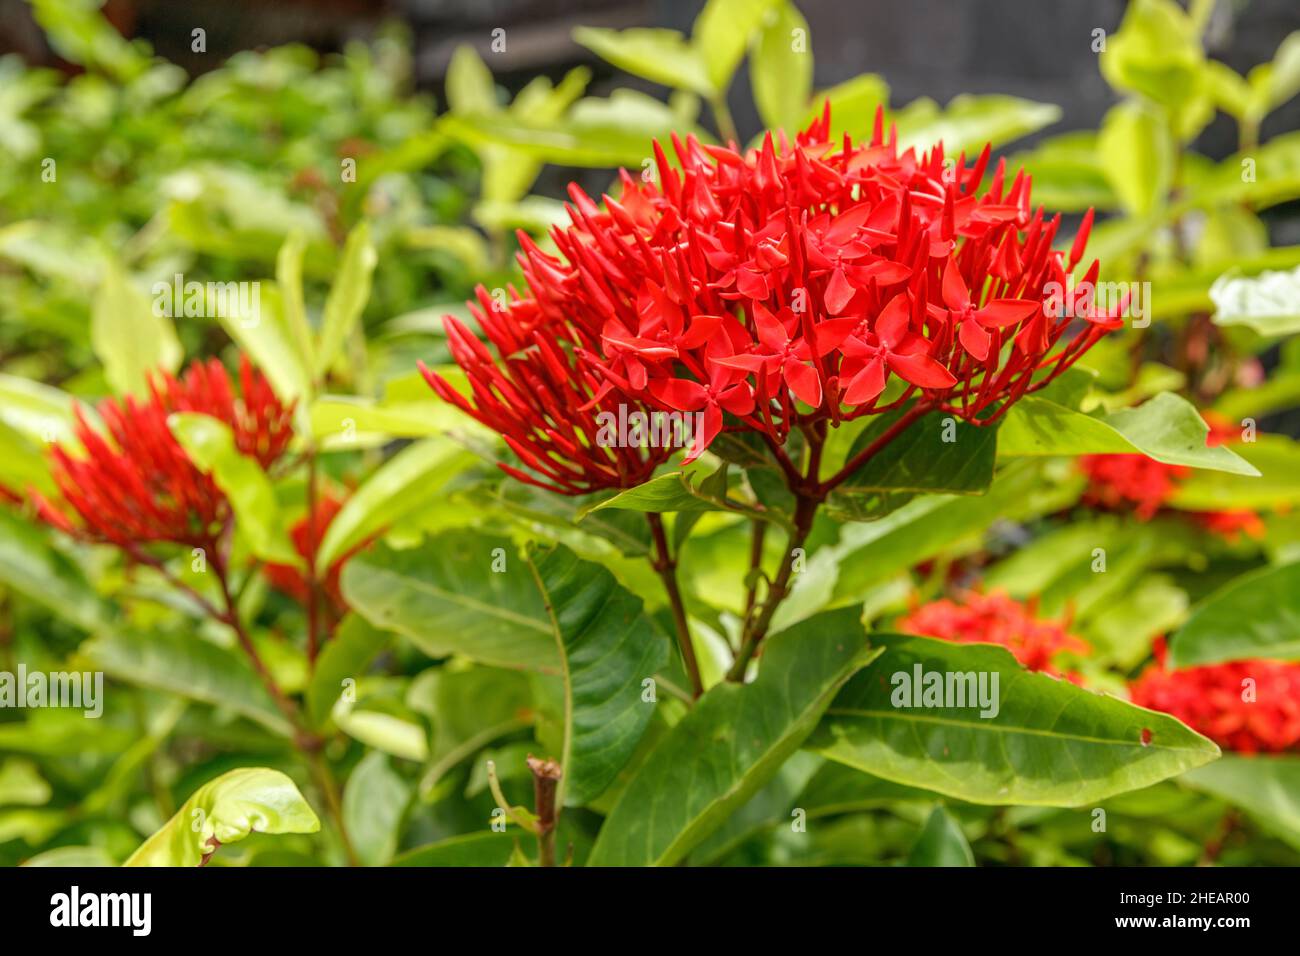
(137,484)
(1217,701)
(1143,486)
(780,286)
(995,618)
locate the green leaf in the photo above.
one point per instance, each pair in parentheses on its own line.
(781,69)
(662,56)
(677,491)
(1050,743)
(607,647)
(447,598)
(853,106)
(936,453)
(1275,456)
(773,805)
(347,654)
(721,33)
(730,744)
(211,445)
(33,568)
(374,805)
(268,338)
(1156,52)
(39,412)
(488,848)
(969,122)
(402,486)
(129,338)
(347,297)
(1166,428)
(1267,788)
(1273,83)
(469,84)
(227,809)
(1257,615)
(941,843)
(385,725)
(1137,155)
(185,665)
(1269,302)
(288,278)
(21,783)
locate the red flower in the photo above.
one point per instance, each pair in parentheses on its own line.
(772,288)
(1143,486)
(1217,701)
(307,533)
(995,619)
(136,484)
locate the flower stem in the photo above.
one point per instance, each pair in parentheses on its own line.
(722,116)
(666,566)
(546,780)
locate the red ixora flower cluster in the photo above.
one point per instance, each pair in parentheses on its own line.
(1217,701)
(770,289)
(1143,486)
(995,619)
(136,484)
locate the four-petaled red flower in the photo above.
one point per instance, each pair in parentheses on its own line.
(773,288)
(1250,706)
(136,484)
(996,618)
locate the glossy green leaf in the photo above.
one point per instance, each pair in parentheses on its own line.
(1266,787)
(406,483)
(1256,615)
(447,598)
(227,809)
(608,648)
(683,492)
(347,297)
(1166,428)
(663,56)
(730,744)
(211,445)
(969,122)
(184,665)
(1049,743)
(781,68)
(128,336)
(374,806)
(941,843)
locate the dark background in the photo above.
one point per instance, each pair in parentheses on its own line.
(1040,49)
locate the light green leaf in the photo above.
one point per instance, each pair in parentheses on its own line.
(1257,615)
(722,32)
(679,491)
(211,445)
(268,339)
(607,647)
(186,665)
(1166,428)
(1156,52)
(400,487)
(853,106)
(730,744)
(288,278)
(448,598)
(347,654)
(347,297)
(488,848)
(1050,743)
(39,412)
(941,843)
(469,83)
(1269,302)
(969,122)
(374,805)
(21,783)
(663,56)
(1267,788)
(1137,155)
(81,857)
(398,734)
(227,809)
(781,69)
(128,337)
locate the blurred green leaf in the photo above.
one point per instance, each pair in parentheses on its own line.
(374,803)
(1266,787)
(781,69)
(129,336)
(941,843)
(1256,615)
(722,33)
(1137,156)
(663,56)
(347,297)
